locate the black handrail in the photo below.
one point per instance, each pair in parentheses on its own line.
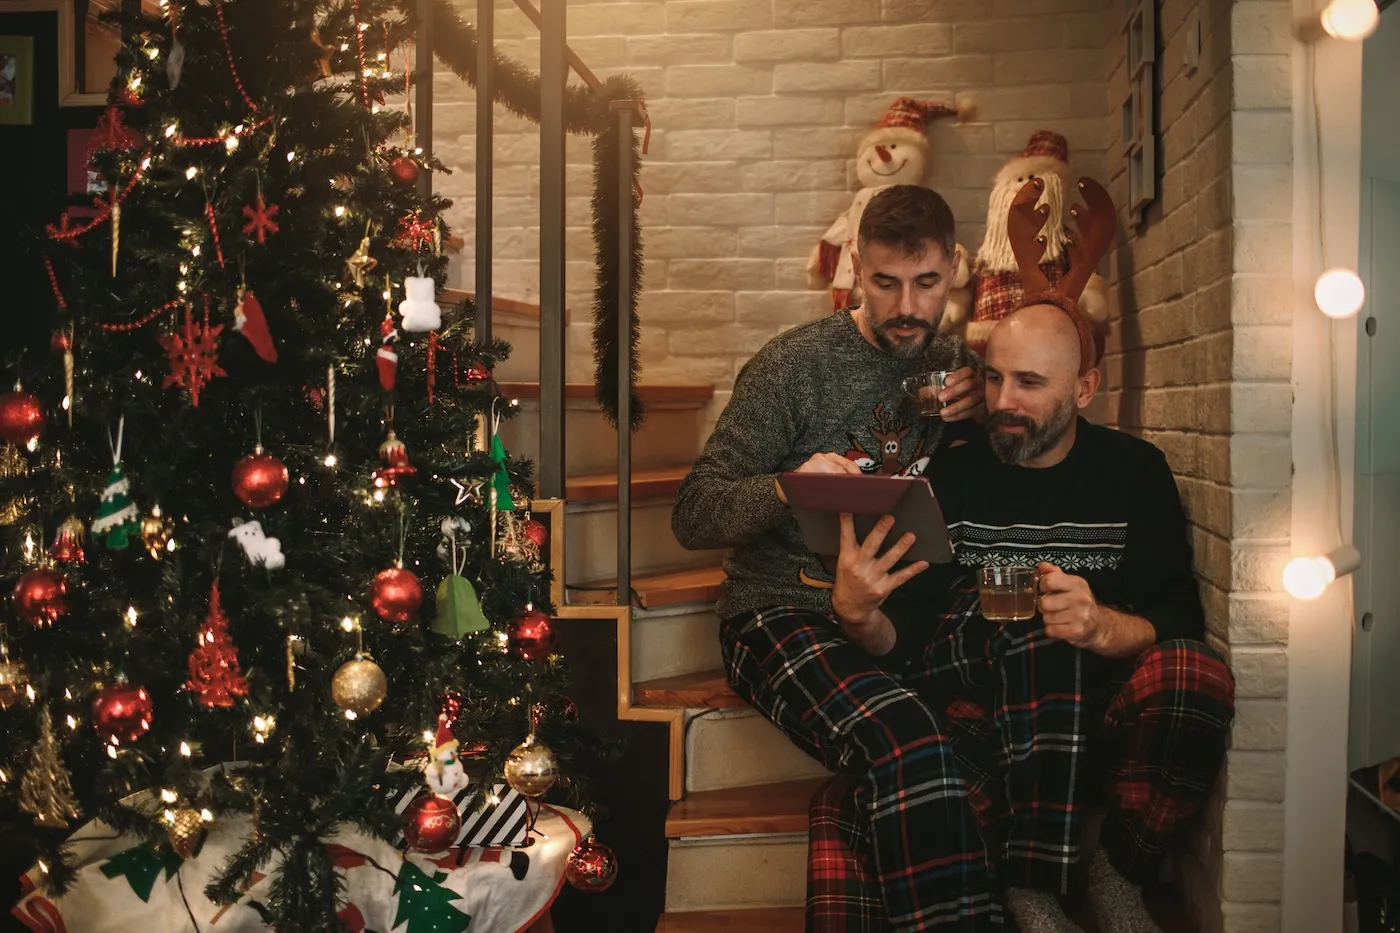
(554,73)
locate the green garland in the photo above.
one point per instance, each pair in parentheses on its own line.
(517,88)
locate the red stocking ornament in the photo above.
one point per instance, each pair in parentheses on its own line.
(248,320)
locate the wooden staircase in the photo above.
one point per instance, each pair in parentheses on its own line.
(737,830)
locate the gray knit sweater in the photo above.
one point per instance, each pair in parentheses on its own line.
(818,388)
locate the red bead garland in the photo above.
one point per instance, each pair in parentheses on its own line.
(228,53)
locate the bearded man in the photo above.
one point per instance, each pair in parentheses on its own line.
(828,397)
(1104,692)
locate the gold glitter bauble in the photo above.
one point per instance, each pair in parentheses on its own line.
(13,681)
(156,532)
(186,832)
(531,768)
(12,463)
(359,686)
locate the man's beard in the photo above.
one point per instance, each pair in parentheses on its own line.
(1035,440)
(903,348)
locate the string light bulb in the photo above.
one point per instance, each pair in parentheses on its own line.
(1349,20)
(1309,577)
(192,171)
(1339,293)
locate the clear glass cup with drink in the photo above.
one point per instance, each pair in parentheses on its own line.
(1008,594)
(923,388)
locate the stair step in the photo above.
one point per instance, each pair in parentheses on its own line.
(590,540)
(695,396)
(703,690)
(726,748)
(656,590)
(736,872)
(498,303)
(656,483)
(758,808)
(759,920)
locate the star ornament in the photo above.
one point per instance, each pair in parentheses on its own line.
(361,263)
(260,222)
(194,355)
(467,491)
(415,232)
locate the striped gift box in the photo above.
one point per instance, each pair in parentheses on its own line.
(484,823)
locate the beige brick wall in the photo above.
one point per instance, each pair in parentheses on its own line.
(1200,363)
(757,105)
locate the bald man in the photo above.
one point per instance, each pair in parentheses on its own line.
(1106,698)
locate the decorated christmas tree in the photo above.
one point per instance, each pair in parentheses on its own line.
(245,332)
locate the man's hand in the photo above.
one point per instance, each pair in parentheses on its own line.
(1072,614)
(864,582)
(963,396)
(822,463)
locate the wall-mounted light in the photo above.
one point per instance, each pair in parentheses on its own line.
(1339,293)
(1352,20)
(1308,577)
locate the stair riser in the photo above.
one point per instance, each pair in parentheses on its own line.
(590,551)
(671,435)
(736,748)
(667,642)
(736,871)
(523,334)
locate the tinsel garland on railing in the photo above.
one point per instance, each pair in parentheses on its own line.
(586,112)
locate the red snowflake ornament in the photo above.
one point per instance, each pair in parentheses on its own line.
(260,221)
(415,232)
(194,355)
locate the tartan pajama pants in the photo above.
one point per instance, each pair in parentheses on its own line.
(972,769)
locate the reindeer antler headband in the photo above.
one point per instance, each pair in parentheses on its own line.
(1097,223)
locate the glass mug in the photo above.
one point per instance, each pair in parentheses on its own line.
(1008,593)
(924,389)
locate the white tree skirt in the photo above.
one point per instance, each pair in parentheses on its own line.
(486,885)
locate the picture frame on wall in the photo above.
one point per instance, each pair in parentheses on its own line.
(16,80)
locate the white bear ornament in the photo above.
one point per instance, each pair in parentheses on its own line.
(419,309)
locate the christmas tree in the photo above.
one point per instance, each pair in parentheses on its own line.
(241,335)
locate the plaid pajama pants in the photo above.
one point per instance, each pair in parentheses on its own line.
(1013,714)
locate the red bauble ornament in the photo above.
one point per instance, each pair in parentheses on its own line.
(61,340)
(21,417)
(535,532)
(431,824)
(532,635)
(38,596)
(477,373)
(592,866)
(396,594)
(122,713)
(404,169)
(259,479)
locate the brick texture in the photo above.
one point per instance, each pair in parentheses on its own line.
(757,106)
(1200,365)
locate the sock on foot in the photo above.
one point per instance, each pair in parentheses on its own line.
(1116,901)
(1038,912)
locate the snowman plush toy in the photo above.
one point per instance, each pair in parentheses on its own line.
(444,774)
(894,153)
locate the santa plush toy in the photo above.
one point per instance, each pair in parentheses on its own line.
(990,288)
(444,774)
(894,153)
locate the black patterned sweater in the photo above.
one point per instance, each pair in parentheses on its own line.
(1108,512)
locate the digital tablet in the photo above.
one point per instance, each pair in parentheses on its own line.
(818,499)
